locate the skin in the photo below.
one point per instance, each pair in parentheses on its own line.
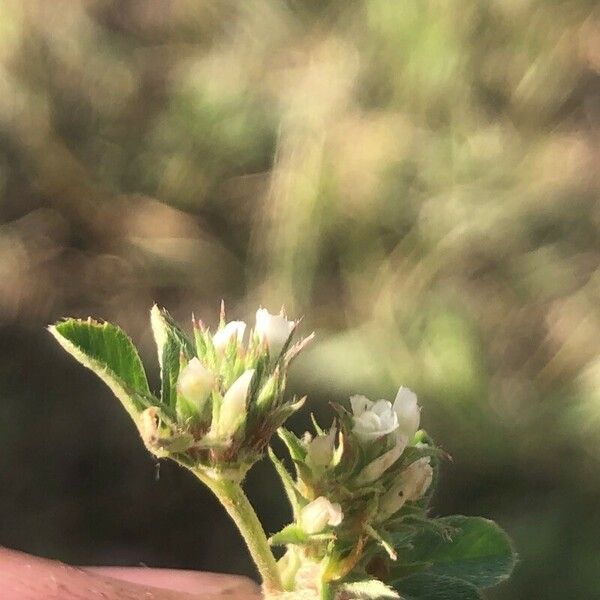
(26,577)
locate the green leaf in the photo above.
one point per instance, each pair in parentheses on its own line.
(372,589)
(477,551)
(106,350)
(424,586)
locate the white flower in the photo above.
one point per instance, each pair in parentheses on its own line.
(320,513)
(413,482)
(373,420)
(195,383)
(274,329)
(233,408)
(222,337)
(319,452)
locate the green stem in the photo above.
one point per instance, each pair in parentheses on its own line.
(233,498)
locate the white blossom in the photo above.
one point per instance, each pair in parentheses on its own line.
(224,335)
(233,408)
(319,514)
(373,420)
(411,485)
(195,383)
(272,329)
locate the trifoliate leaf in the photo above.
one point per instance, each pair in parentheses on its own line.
(107,351)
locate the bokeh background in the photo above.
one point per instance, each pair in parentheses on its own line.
(418,178)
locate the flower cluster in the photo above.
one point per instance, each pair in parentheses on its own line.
(373,462)
(222,395)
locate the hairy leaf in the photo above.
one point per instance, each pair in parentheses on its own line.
(106,350)
(477,551)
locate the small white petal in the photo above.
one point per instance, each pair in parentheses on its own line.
(222,337)
(272,329)
(376,468)
(407,411)
(375,421)
(359,404)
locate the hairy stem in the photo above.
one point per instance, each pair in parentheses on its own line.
(233,498)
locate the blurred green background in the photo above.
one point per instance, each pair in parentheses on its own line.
(418,178)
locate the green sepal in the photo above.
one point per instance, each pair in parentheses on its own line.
(294,445)
(294,534)
(164,327)
(269,392)
(383,540)
(295,500)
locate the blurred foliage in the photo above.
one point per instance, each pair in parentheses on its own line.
(419,178)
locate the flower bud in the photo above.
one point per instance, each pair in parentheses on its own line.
(223,336)
(320,513)
(319,452)
(233,408)
(272,329)
(372,420)
(195,383)
(408,412)
(376,468)
(413,482)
